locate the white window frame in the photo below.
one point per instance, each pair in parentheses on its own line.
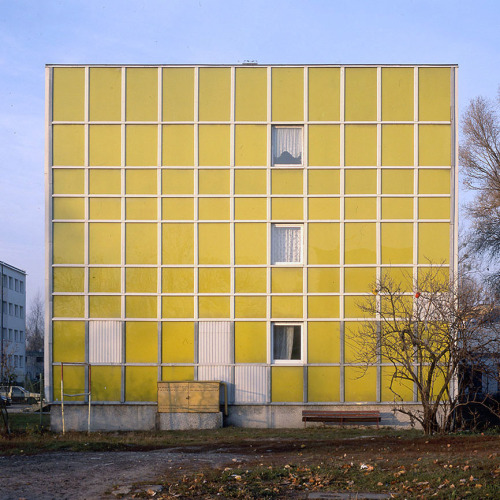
(295,263)
(293,165)
(288,362)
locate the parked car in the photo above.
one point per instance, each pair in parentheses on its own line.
(18,394)
(4,400)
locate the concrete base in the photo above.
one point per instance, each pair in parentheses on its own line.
(185,421)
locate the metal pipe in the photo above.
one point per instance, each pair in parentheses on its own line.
(62,397)
(1,326)
(90,400)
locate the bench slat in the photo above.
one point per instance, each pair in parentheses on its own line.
(341,416)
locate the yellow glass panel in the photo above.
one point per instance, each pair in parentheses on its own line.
(434,208)
(397,242)
(142,94)
(323,307)
(140,306)
(68,208)
(250,280)
(178,243)
(250,307)
(104,243)
(105,94)
(250,243)
(435,274)
(178,208)
(360,208)
(104,306)
(68,145)
(141,145)
(324,181)
(250,146)
(286,280)
(105,145)
(323,279)
(287,208)
(106,383)
(433,243)
(214,145)
(68,306)
(324,145)
(399,277)
(433,181)
(68,241)
(177,307)
(324,243)
(178,94)
(214,280)
(74,381)
(397,208)
(141,208)
(324,208)
(68,94)
(105,279)
(68,341)
(250,342)
(213,209)
(68,279)
(213,243)
(434,145)
(357,349)
(140,280)
(214,94)
(250,208)
(323,342)
(434,94)
(213,181)
(178,145)
(178,280)
(251,94)
(360,243)
(359,279)
(250,181)
(397,94)
(105,208)
(395,389)
(323,383)
(177,181)
(286,181)
(177,342)
(141,383)
(67,181)
(360,145)
(353,307)
(397,145)
(361,181)
(287,94)
(397,181)
(287,384)
(360,94)
(324,94)
(360,385)
(175,373)
(286,306)
(141,243)
(214,307)
(104,181)
(140,181)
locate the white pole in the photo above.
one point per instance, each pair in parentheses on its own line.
(90,401)
(62,398)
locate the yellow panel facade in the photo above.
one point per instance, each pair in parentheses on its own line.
(323,342)
(360,208)
(397,208)
(250,145)
(177,181)
(397,243)
(289,209)
(105,280)
(323,383)
(68,241)
(250,243)
(140,280)
(68,94)
(178,244)
(177,209)
(250,208)
(178,94)
(324,181)
(251,94)
(140,306)
(140,383)
(104,306)
(250,280)
(360,145)
(361,94)
(68,181)
(286,182)
(360,181)
(250,342)
(141,145)
(434,181)
(323,306)
(213,243)
(324,145)
(104,181)
(214,94)
(397,145)
(324,94)
(324,243)
(214,181)
(178,145)
(286,306)
(324,208)
(434,89)
(68,279)
(287,94)
(359,279)
(106,383)
(105,145)
(286,280)
(68,306)
(287,384)
(141,243)
(433,243)
(214,307)
(323,280)
(360,243)
(68,145)
(68,341)
(104,243)
(105,102)
(177,342)
(140,181)
(177,280)
(68,208)
(360,386)
(105,209)
(397,94)
(214,280)
(397,181)
(142,94)
(141,208)
(433,208)
(250,181)
(434,145)
(250,307)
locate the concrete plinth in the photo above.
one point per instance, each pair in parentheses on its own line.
(185,421)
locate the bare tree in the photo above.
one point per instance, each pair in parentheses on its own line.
(35,324)
(428,332)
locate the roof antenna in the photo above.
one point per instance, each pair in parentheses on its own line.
(250,62)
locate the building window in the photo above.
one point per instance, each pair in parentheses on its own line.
(11,282)
(21,338)
(4,280)
(11,309)
(15,361)
(16,311)
(286,244)
(287,146)
(21,312)
(10,334)
(17,285)
(16,336)
(4,307)
(21,286)
(287,342)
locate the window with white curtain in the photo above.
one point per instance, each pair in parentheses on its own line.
(287,342)
(287,146)
(286,244)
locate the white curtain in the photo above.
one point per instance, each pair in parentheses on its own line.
(287,146)
(286,244)
(283,342)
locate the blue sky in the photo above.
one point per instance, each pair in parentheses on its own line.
(34,33)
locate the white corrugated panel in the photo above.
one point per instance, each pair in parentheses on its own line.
(214,342)
(286,244)
(222,373)
(250,384)
(105,341)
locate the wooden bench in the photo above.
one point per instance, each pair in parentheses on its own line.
(341,417)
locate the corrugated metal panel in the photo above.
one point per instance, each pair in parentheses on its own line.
(250,384)
(105,341)
(214,342)
(222,373)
